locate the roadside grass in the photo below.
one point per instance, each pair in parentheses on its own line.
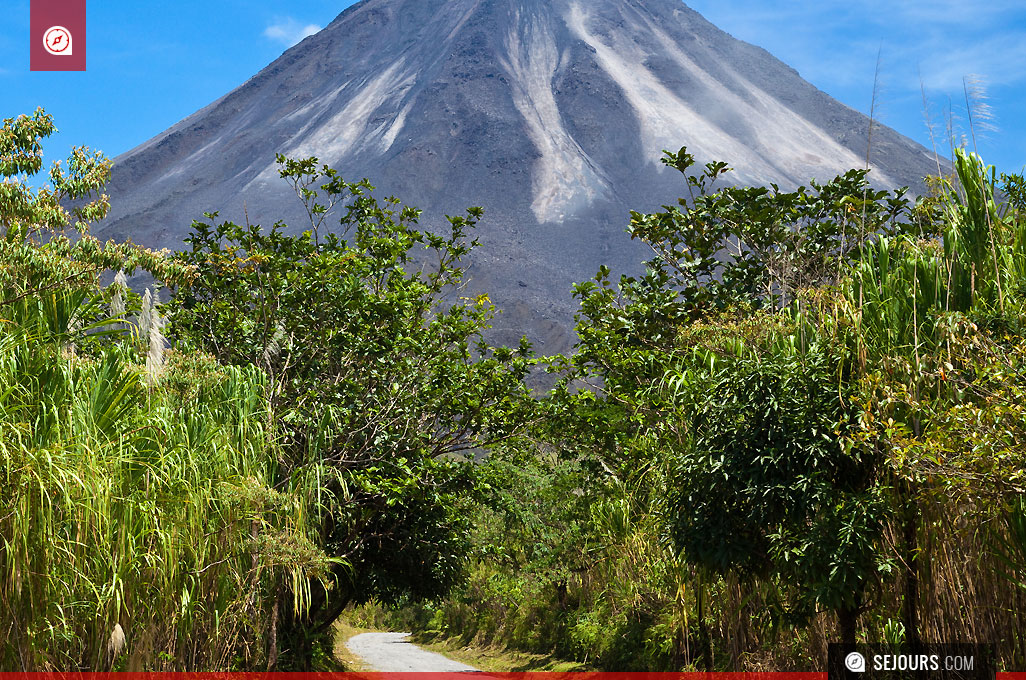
(494,658)
(344,630)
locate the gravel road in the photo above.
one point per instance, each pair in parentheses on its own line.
(392,652)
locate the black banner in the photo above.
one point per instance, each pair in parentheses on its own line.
(919,662)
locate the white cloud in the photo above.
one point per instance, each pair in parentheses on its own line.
(836,41)
(997,61)
(924,45)
(289,31)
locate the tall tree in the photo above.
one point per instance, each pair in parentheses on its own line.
(378,378)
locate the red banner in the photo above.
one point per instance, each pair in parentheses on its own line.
(479,675)
(455,675)
(462,675)
(58,35)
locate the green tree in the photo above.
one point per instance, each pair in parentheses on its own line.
(756,457)
(765,481)
(45,244)
(732,248)
(761,245)
(377,376)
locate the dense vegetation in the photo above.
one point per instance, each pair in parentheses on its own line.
(140,523)
(801,424)
(299,450)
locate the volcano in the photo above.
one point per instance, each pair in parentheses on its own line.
(550,114)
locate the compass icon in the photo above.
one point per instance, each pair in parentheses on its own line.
(57,41)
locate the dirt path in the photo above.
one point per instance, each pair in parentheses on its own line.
(392,652)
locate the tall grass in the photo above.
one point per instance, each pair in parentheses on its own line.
(138,524)
(936,332)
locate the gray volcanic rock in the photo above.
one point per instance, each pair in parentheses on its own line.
(551,114)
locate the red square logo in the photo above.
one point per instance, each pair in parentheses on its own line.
(58,40)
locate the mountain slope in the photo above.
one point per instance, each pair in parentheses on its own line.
(551,114)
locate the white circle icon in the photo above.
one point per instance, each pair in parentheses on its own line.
(855,662)
(57,41)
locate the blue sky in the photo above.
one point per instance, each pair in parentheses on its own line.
(930,45)
(149,67)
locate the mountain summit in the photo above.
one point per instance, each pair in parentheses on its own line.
(551,114)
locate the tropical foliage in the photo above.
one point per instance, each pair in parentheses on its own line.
(801,424)
(304,446)
(138,526)
(378,380)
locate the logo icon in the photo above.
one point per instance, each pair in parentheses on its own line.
(855,662)
(57,41)
(57,37)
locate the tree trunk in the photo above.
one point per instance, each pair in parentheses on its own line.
(300,633)
(704,639)
(910,536)
(847,620)
(272,654)
(297,649)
